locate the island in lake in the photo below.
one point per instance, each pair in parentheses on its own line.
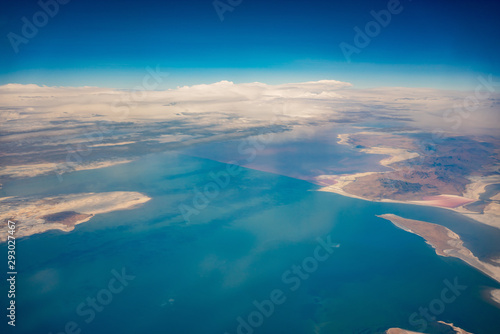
(440,327)
(62,212)
(447,243)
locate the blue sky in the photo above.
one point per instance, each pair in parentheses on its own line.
(444,44)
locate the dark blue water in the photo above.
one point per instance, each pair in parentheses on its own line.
(490,191)
(201,276)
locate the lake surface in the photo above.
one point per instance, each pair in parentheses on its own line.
(201,276)
(302,153)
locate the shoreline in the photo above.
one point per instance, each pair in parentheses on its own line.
(495,295)
(447,243)
(450,326)
(490,216)
(492,296)
(486,218)
(34,216)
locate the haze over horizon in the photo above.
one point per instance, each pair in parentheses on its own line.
(250,166)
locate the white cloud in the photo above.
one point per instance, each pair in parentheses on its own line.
(228,105)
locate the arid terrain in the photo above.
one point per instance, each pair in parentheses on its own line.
(450,172)
(441,327)
(446,243)
(33,215)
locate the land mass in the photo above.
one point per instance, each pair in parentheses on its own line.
(31,170)
(399,331)
(441,327)
(451,174)
(64,212)
(446,243)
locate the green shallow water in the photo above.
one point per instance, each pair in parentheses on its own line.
(199,277)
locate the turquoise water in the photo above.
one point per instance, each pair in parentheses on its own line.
(199,277)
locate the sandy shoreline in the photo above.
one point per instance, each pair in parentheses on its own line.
(450,328)
(337,183)
(446,243)
(399,331)
(63,213)
(495,296)
(491,215)
(478,185)
(488,218)
(395,154)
